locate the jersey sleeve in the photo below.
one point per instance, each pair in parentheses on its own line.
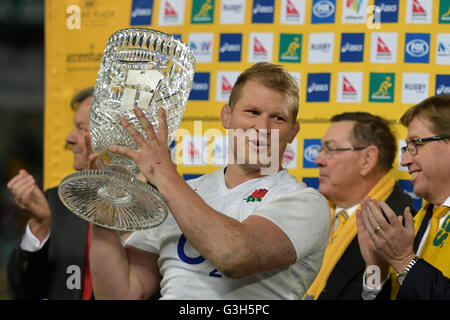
(303,215)
(146,240)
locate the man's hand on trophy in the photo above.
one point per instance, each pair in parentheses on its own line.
(153,154)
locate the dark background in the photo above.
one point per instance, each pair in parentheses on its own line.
(21,111)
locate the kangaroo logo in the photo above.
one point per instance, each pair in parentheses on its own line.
(383,90)
(204,10)
(293,47)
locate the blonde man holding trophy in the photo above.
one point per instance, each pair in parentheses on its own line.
(247,231)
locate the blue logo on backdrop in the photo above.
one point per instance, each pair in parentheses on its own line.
(230,47)
(141,12)
(311,149)
(323,11)
(263,11)
(352,47)
(311,182)
(417,47)
(408,187)
(388,9)
(442,84)
(188,176)
(200,86)
(318,87)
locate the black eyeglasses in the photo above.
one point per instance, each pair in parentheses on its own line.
(330,151)
(411,146)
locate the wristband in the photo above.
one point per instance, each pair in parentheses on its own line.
(401,275)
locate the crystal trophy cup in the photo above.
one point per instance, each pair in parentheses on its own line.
(140,68)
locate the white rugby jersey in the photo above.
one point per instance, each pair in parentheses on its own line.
(302,213)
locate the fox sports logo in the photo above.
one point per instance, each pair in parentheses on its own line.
(417,48)
(311,152)
(323,9)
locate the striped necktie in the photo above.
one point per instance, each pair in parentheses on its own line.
(342,217)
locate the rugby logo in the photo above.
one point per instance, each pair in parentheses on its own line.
(415,87)
(202,11)
(320,48)
(290,47)
(232,12)
(381,87)
(444,11)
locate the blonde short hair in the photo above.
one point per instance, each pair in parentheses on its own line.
(272,76)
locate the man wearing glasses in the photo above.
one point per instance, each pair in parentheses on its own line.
(417,250)
(356,159)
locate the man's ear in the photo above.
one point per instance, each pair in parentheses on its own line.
(225,116)
(369,159)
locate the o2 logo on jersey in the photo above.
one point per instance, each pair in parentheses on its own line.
(192,260)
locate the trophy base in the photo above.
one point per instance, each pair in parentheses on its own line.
(114,200)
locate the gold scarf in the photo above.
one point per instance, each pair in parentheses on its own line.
(434,252)
(341,241)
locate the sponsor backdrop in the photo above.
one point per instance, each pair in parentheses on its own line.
(380,56)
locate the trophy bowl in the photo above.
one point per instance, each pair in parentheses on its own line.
(141,68)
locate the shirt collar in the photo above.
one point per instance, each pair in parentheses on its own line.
(446,202)
(350,210)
